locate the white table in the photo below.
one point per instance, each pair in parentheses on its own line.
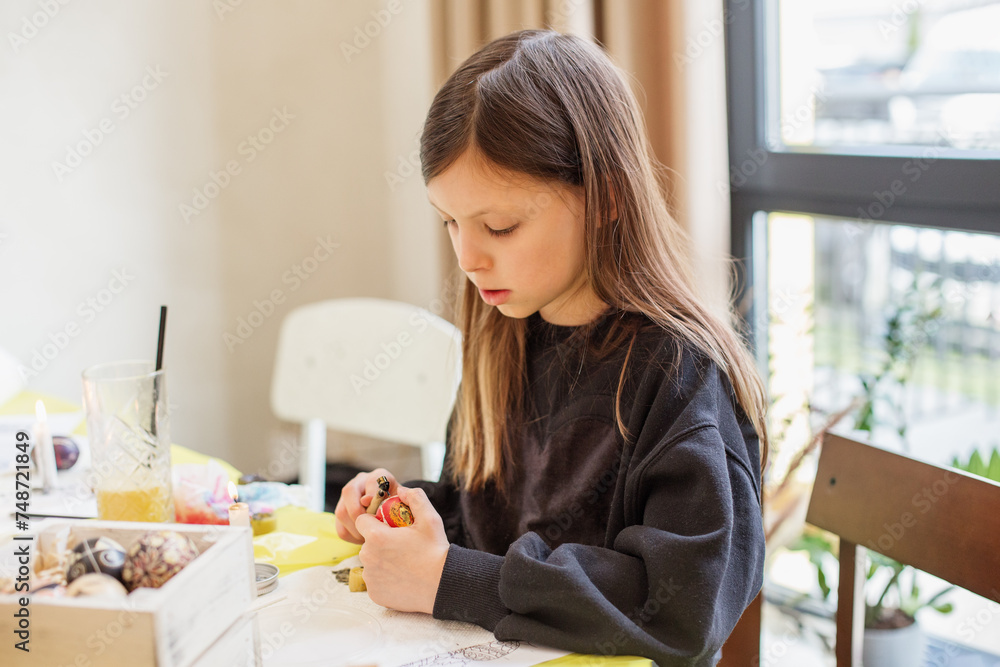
(316,620)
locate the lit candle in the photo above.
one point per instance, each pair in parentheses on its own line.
(46,452)
(239,513)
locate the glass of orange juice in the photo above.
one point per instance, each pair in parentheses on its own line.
(129,430)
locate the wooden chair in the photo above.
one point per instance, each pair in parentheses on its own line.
(938,520)
(742,649)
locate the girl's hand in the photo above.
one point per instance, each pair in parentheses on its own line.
(355,498)
(403,565)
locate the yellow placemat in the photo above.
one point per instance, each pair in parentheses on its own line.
(303,539)
(24,404)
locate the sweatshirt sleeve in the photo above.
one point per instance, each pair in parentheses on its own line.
(678,575)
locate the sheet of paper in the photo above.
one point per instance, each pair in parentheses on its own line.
(384,637)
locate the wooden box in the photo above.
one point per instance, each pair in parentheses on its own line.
(180,624)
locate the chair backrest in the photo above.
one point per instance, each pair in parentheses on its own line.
(383,369)
(939,520)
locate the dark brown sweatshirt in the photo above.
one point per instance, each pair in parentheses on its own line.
(650,545)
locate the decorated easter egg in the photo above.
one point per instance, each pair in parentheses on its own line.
(394,512)
(96,585)
(50,591)
(156,557)
(67,452)
(100,555)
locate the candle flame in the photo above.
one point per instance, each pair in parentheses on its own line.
(232,491)
(40,410)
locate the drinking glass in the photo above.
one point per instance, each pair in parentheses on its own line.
(128,427)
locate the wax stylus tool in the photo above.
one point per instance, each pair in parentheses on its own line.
(383,492)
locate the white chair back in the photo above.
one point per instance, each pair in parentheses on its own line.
(383,369)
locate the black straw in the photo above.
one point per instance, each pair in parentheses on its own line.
(159,366)
(159,343)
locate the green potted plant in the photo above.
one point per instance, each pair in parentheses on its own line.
(908,328)
(892,635)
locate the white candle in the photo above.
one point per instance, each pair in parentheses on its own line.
(239,513)
(46,452)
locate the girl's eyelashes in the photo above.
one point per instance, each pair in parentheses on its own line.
(501,232)
(493,232)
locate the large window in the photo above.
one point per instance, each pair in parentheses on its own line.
(865,183)
(865,188)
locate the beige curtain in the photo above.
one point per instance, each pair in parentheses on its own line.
(648,39)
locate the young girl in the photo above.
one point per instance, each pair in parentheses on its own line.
(601,491)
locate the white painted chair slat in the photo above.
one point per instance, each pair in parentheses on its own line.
(378,368)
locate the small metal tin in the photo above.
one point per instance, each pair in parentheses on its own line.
(267,578)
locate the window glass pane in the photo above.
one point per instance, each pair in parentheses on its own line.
(863,72)
(901,322)
(896,327)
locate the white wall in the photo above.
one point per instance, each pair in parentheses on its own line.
(63,236)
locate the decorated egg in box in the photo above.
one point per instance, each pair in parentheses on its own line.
(100,555)
(156,557)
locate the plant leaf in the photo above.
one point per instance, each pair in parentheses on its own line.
(823,586)
(976,465)
(993,471)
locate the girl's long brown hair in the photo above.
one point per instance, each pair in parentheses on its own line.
(554,107)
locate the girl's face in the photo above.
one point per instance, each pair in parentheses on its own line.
(519,240)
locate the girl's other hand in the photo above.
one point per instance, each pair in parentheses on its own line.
(403,565)
(355,498)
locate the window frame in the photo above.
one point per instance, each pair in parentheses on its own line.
(959,190)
